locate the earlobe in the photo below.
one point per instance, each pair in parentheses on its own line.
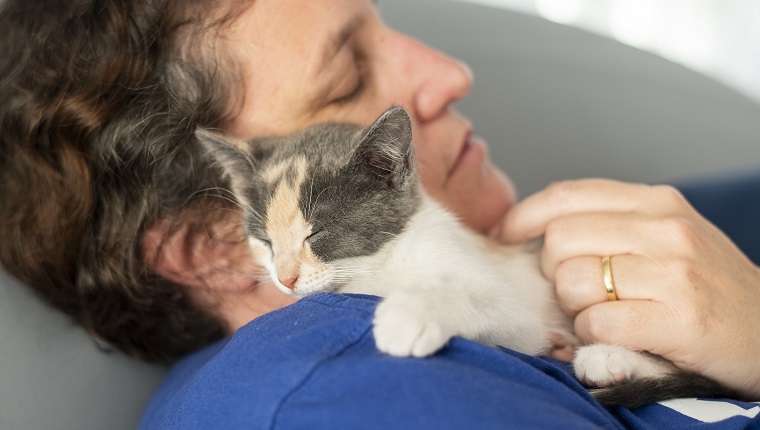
(166,252)
(214,267)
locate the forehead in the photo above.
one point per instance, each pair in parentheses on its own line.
(279,47)
(299,23)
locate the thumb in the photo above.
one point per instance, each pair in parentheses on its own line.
(511,230)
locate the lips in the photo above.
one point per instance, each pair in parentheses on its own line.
(472,149)
(463,148)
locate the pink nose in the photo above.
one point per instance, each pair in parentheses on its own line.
(289,282)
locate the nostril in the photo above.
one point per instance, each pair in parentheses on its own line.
(289,282)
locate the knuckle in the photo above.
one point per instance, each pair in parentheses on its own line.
(568,305)
(669,195)
(572,282)
(565,283)
(681,233)
(598,325)
(562,194)
(554,236)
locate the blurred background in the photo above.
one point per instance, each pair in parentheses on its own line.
(720,38)
(653,91)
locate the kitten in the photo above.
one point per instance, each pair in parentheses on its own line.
(339,208)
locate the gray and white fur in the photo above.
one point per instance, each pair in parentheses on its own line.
(339,208)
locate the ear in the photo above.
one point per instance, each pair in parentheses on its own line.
(385,148)
(234,163)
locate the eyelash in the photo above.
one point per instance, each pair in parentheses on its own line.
(314,235)
(360,64)
(352,95)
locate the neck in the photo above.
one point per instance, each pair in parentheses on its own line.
(237,308)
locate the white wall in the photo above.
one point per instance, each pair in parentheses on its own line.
(720,38)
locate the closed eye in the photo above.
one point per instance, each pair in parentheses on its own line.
(359,85)
(315,235)
(352,95)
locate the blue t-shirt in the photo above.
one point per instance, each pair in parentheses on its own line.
(314,365)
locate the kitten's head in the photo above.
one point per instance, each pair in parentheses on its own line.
(320,203)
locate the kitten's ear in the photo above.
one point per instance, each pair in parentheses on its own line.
(385,147)
(234,163)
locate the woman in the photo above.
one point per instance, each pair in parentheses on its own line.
(99,105)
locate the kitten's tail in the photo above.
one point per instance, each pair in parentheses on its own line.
(639,392)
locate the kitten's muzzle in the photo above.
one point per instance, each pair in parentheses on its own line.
(289,282)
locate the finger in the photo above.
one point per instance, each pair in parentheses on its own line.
(580,281)
(529,218)
(638,324)
(600,234)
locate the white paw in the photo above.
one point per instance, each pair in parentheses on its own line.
(604,365)
(406,324)
(601,365)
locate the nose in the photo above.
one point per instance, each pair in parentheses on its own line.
(289,282)
(434,80)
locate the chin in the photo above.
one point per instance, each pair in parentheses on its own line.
(484,221)
(483,209)
(483,213)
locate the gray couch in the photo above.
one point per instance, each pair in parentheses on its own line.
(554,102)
(558,103)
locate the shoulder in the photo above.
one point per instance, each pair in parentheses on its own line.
(314,365)
(259,365)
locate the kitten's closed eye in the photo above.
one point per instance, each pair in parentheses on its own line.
(315,235)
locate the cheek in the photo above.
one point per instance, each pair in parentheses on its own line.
(431,164)
(482,203)
(433,182)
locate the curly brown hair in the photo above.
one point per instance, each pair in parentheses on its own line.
(99,102)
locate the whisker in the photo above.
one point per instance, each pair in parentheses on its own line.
(229,196)
(358,270)
(311,193)
(352,274)
(314,205)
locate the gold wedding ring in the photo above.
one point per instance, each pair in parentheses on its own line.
(611,296)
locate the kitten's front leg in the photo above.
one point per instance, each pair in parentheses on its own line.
(412,322)
(420,321)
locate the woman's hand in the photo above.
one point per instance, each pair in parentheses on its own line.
(685,291)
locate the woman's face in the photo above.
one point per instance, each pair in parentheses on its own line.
(306,62)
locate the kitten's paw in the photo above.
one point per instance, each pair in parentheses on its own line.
(406,324)
(605,365)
